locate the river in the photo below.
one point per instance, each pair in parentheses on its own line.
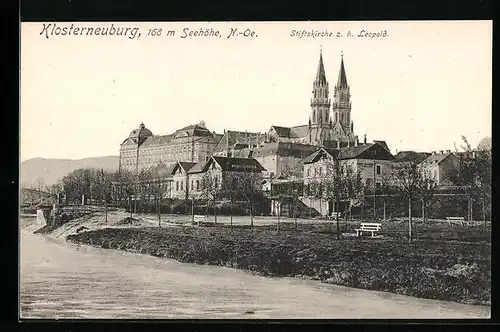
(63,280)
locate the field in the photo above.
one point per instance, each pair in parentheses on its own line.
(443,262)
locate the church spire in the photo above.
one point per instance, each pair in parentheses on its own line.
(342,76)
(320,75)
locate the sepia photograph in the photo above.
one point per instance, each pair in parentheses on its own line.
(255,170)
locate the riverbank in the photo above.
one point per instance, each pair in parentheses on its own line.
(442,265)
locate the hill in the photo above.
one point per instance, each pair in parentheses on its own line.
(49,171)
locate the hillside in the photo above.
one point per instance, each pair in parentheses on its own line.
(50,170)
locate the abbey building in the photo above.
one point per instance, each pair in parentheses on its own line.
(328,124)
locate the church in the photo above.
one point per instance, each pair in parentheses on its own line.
(330,123)
(280,149)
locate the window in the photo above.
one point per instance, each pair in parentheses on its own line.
(378,185)
(197,185)
(378,169)
(176,185)
(435,174)
(192,184)
(216,184)
(308,172)
(182,185)
(320,170)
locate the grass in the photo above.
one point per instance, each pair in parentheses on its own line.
(443,262)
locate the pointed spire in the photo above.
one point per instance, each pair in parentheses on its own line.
(321,76)
(342,76)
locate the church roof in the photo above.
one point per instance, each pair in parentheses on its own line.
(291,132)
(342,76)
(298,131)
(320,75)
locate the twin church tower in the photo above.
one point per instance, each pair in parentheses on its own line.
(327,126)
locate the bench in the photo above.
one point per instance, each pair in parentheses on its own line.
(199,219)
(461,220)
(334,215)
(368,227)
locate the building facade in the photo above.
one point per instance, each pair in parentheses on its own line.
(441,167)
(142,149)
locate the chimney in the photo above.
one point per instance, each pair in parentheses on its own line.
(357,141)
(364,141)
(433,152)
(441,151)
(448,151)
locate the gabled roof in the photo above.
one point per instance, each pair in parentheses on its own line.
(436,158)
(409,156)
(353,152)
(228,164)
(382,143)
(284,149)
(185,165)
(239,164)
(282,131)
(299,131)
(232,137)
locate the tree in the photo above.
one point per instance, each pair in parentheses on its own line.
(427,187)
(334,186)
(351,186)
(210,190)
(386,189)
(406,180)
(475,175)
(248,186)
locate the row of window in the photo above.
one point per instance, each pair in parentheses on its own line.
(319,171)
(179,185)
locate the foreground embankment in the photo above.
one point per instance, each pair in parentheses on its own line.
(435,269)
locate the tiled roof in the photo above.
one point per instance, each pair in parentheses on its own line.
(229,164)
(198,167)
(231,137)
(436,158)
(284,149)
(158,140)
(186,165)
(282,131)
(353,151)
(235,164)
(299,131)
(408,156)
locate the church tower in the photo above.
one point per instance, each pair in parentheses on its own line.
(341,107)
(319,120)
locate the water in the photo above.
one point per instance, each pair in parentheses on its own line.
(62,280)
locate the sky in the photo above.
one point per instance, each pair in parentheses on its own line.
(420,87)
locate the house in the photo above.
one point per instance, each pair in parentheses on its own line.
(371,160)
(443,167)
(216,169)
(180,179)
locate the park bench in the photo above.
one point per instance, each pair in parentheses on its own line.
(460,220)
(198,219)
(368,227)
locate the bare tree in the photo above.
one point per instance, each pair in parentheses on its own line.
(475,175)
(427,187)
(210,191)
(248,187)
(407,181)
